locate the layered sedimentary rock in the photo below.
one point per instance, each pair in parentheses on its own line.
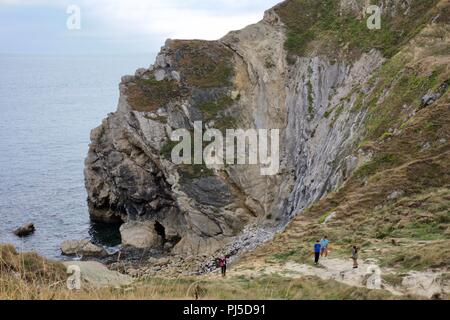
(270,75)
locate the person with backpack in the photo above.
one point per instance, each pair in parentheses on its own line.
(317,249)
(355,251)
(223,266)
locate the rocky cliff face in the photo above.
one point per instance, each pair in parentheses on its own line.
(302,69)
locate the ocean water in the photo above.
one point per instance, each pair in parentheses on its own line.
(48,106)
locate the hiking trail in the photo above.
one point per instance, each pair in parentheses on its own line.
(369,275)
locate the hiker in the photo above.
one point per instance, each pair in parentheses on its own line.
(355,251)
(223,265)
(317,248)
(324,247)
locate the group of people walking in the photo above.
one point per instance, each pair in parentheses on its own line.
(321,250)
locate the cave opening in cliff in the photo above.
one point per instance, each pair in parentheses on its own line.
(160,230)
(105,233)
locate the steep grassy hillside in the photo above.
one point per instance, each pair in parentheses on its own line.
(330,27)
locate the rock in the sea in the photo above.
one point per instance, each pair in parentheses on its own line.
(140,235)
(25,230)
(82,247)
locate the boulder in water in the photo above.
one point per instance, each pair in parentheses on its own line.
(25,230)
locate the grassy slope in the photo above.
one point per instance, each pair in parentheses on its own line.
(28,276)
(321,27)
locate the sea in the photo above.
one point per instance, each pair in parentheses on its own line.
(48,106)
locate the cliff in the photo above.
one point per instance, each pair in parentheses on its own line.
(362,114)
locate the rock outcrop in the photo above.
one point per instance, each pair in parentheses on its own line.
(83,248)
(141,235)
(93,274)
(270,75)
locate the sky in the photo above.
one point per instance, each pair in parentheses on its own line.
(118,26)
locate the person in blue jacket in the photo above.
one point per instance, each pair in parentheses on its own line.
(324,246)
(317,248)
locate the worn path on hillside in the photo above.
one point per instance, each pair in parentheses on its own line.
(368,275)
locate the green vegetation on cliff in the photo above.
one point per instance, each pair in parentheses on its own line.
(322,27)
(211,109)
(147,95)
(203,64)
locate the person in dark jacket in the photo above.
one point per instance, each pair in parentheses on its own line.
(355,252)
(223,266)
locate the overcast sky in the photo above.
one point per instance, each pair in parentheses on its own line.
(119,26)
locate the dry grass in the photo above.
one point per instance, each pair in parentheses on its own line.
(149,95)
(417,256)
(203,64)
(27,275)
(410,233)
(241,288)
